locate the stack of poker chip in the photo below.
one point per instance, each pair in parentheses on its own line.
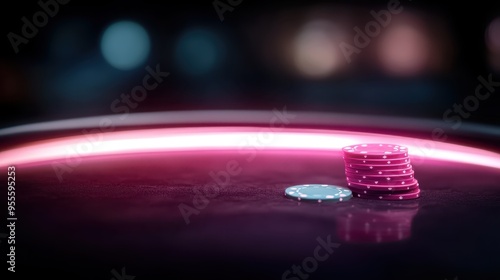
(380,171)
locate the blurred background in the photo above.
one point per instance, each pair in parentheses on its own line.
(65,59)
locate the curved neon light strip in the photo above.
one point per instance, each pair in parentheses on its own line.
(231,138)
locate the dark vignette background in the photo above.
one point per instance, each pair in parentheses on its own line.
(40,84)
(51,76)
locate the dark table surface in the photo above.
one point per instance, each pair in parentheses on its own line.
(124,211)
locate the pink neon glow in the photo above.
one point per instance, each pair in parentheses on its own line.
(234,138)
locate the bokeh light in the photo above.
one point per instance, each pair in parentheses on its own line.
(198,52)
(492,38)
(315,49)
(404,50)
(125,45)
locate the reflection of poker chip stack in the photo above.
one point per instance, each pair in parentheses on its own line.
(380,171)
(391,222)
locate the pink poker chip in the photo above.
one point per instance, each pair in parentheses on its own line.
(381,181)
(390,196)
(379,172)
(375,151)
(378,161)
(385,188)
(405,176)
(377,167)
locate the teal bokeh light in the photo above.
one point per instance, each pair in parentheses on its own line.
(125,45)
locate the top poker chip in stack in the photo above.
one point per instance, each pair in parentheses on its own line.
(380,171)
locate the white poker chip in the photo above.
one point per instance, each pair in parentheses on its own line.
(318,192)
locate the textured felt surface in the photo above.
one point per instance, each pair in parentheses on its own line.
(123,211)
